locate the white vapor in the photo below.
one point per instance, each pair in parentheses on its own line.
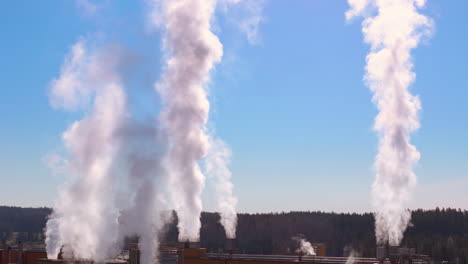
(305,247)
(113,160)
(68,91)
(84,220)
(352,257)
(217,165)
(192,50)
(147,214)
(249,18)
(392,33)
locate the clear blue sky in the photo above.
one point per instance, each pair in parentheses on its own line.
(293,108)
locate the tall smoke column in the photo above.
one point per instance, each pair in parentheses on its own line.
(193,50)
(145,219)
(393,32)
(148,213)
(217,165)
(85,215)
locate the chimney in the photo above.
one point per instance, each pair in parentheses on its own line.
(181,246)
(393,254)
(194,244)
(20,253)
(188,244)
(380,254)
(9,254)
(134,255)
(300,254)
(229,246)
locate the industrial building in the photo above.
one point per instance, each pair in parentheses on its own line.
(386,255)
(191,253)
(18,255)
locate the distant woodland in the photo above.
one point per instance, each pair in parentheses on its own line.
(440,233)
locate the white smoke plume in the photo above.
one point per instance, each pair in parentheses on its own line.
(147,214)
(192,50)
(217,165)
(352,257)
(114,162)
(84,220)
(392,33)
(305,247)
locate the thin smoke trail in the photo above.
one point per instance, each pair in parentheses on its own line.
(217,165)
(392,33)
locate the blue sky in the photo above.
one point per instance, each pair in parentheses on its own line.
(292,107)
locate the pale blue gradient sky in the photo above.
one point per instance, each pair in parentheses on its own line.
(293,108)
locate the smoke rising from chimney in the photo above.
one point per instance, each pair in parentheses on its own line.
(84,220)
(352,257)
(114,161)
(217,165)
(392,33)
(305,247)
(122,169)
(148,212)
(192,50)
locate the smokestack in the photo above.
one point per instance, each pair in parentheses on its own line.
(229,246)
(20,253)
(188,244)
(393,252)
(380,254)
(134,256)
(182,245)
(9,254)
(194,244)
(180,251)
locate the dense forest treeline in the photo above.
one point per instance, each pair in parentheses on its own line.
(440,233)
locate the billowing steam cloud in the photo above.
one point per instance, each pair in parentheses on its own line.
(192,51)
(393,32)
(305,247)
(85,216)
(113,161)
(116,162)
(148,212)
